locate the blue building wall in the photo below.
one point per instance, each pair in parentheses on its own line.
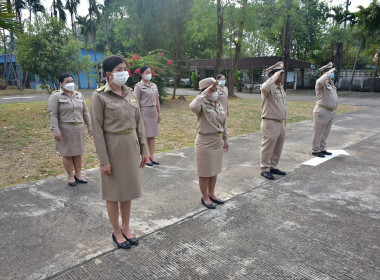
(35,81)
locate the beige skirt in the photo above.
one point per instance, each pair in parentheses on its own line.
(72,142)
(208,155)
(149,115)
(124,183)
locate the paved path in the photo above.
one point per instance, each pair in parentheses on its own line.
(315,223)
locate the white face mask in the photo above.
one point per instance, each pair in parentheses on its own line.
(213,96)
(69,86)
(120,78)
(148,77)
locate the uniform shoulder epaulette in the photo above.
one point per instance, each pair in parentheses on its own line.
(130,88)
(55,91)
(101,88)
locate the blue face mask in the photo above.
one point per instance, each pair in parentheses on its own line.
(332,76)
(223,82)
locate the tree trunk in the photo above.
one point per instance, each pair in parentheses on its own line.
(356,61)
(107,36)
(286,53)
(219,49)
(5,54)
(374,76)
(79,85)
(94,48)
(337,57)
(11,64)
(237,50)
(175,86)
(73,25)
(85,51)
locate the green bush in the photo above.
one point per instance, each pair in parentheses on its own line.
(194,80)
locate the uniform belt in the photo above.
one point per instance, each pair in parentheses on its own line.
(327,108)
(212,134)
(75,122)
(280,121)
(126,131)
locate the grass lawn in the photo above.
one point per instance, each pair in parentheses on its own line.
(27,146)
(12,90)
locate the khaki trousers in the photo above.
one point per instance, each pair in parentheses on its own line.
(272,144)
(323,120)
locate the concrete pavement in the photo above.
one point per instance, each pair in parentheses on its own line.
(315,223)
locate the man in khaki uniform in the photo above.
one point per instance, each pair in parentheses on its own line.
(323,113)
(274,113)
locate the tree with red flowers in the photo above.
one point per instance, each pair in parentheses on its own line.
(162,68)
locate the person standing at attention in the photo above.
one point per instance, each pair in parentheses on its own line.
(323,113)
(119,137)
(273,121)
(147,95)
(68,111)
(223,92)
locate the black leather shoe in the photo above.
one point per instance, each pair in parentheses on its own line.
(72,184)
(326,153)
(318,154)
(133,240)
(124,245)
(154,162)
(278,172)
(217,201)
(149,164)
(80,181)
(267,175)
(209,206)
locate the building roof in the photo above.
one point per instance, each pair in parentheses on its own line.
(247,63)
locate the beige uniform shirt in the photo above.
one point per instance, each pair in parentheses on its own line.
(146,94)
(66,109)
(210,118)
(273,100)
(223,96)
(326,92)
(111,113)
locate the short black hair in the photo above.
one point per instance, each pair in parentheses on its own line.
(110,62)
(63,76)
(143,68)
(219,76)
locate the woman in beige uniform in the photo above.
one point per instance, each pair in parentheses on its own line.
(68,111)
(223,92)
(211,129)
(147,96)
(119,137)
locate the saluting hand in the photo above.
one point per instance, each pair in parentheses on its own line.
(106,169)
(58,137)
(144,160)
(226,147)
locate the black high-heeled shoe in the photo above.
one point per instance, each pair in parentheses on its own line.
(154,162)
(124,245)
(217,201)
(80,181)
(133,240)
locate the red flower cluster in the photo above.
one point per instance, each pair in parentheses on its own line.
(137,71)
(161,53)
(170,62)
(153,73)
(128,64)
(135,57)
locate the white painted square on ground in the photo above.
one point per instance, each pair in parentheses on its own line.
(317,160)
